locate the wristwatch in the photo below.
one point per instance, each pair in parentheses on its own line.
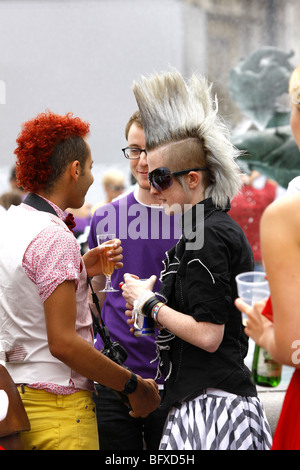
(130,385)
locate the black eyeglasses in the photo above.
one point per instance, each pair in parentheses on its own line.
(162,178)
(133,153)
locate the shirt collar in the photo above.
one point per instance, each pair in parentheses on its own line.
(193,218)
(60,213)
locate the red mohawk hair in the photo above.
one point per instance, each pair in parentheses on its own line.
(36,143)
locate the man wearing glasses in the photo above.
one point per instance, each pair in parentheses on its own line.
(146,233)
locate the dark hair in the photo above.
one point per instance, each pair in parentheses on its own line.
(74,148)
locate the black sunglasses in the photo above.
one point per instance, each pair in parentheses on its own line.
(162,178)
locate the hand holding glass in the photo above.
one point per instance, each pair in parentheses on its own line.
(108,266)
(252,286)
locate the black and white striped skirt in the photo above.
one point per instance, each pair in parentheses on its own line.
(217,420)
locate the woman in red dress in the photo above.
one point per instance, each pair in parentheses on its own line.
(279,333)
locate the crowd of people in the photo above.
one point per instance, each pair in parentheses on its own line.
(177,248)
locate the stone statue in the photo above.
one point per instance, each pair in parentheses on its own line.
(256,84)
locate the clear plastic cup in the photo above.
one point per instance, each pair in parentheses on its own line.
(252,286)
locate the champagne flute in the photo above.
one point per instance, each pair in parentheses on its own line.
(107,265)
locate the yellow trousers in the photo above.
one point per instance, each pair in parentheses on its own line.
(60,422)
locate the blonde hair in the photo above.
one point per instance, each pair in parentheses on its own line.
(173,109)
(114,177)
(294,86)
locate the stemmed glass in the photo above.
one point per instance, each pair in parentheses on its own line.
(107,265)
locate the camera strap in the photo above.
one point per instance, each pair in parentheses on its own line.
(105,336)
(99,325)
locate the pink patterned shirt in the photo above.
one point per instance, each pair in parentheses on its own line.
(51,258)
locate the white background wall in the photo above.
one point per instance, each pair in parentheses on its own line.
(82,56)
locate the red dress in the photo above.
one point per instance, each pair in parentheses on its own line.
(287,433)
(247,208)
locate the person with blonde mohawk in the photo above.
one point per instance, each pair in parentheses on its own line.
(202,345)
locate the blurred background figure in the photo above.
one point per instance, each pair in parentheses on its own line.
(13,182)
(249,204)
(113,184)
(10,198)
(14,195)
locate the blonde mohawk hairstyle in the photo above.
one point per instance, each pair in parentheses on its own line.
(173,109)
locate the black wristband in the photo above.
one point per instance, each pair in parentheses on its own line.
(148,306)
(130,385)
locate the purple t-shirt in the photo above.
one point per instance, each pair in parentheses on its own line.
(146,233)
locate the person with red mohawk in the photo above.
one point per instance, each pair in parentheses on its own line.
(46,325)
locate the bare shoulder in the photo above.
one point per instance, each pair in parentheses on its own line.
(285,209)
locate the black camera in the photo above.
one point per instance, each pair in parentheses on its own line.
(115,352)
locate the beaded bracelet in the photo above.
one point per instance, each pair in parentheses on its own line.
(148,306)
(155,311)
